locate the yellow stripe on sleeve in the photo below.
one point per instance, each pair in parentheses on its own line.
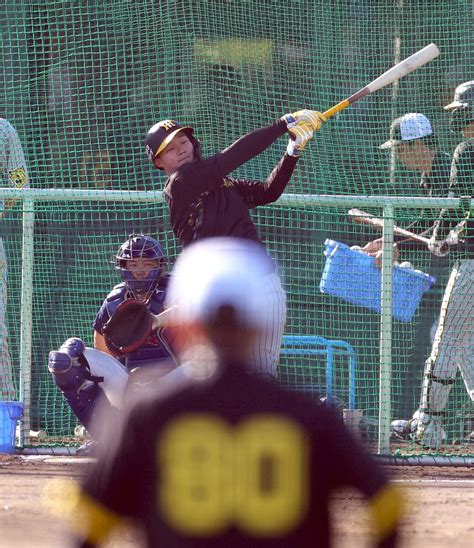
(87,518)
(386,507)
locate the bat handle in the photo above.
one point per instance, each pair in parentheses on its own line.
(336,108)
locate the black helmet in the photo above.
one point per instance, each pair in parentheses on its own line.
(161,134)
(462,107)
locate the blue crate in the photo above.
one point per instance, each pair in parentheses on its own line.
(352,275)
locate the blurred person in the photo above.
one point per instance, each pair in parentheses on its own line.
(15,175)
(204,201)
(95,379)
(453,346)
(416,146)
(224,457)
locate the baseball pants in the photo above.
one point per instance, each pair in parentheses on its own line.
(453,346)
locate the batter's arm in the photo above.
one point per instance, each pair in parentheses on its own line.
(247,147)
(257,193)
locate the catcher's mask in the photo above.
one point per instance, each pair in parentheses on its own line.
(139,246)
(461,108)
(161,134)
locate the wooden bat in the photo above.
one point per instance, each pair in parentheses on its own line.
(362,217)
(401,69)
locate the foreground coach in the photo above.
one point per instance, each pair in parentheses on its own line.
(229,459)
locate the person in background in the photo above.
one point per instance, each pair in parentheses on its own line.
(453,346)
(95,380)
(14,174)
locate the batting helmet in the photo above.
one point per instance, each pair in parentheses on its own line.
(462,107)
(139,246)
(161,134)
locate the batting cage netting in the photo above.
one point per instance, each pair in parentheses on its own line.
(83,81)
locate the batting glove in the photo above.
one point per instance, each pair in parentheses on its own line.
(301,135)
(313,118)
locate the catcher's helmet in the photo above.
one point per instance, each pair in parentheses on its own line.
(462,107)
(139,246)
(161,134)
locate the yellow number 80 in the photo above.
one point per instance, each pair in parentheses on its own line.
(213,475)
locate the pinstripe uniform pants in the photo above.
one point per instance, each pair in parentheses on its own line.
(266,349)
(453,346)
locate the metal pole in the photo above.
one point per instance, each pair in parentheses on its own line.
(26,315)
(386,332)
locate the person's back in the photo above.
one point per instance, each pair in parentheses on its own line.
(236,461)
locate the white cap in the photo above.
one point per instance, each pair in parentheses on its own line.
(215,272)
(409,127)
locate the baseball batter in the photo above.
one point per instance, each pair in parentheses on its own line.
(14,174)
(205,202)
(231,459)
(94,380)
(454,341)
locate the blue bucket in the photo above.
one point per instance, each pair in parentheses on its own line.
(10,412)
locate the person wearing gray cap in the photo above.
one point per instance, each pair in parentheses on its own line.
(453,346)
(413,139)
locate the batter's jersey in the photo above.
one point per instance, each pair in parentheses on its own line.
(236,462)
(156,347)
(204,202)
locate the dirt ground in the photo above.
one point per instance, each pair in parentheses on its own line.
(440,506)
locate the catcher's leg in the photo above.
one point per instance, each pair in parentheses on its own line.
(72,374)
(266,349)
(113,375)
(452,342)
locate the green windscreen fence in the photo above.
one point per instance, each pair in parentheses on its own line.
(83,81)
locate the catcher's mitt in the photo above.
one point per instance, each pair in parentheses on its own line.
(129,327)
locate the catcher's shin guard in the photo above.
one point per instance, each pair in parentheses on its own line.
(71,374)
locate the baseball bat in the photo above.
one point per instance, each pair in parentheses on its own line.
(362,217)
(401,69)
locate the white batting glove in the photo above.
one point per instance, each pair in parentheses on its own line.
(302,133)
(313,118)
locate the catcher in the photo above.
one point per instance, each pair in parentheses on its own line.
(94,380)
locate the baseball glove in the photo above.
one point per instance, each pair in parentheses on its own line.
(128,328)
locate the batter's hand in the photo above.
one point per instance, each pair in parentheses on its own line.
(313,118)
(302,133)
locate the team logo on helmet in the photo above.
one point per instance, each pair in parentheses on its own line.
(149,152)
(167,124)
